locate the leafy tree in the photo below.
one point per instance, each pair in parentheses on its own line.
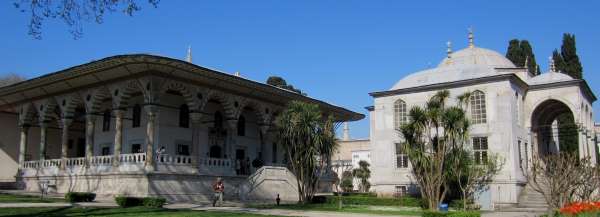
(431,135)
(73,12)
(363,173)
(472,177)
(281,83)
(309,142)
(519,52)
(568,62)
(567,134)
(10,78)
(347,182)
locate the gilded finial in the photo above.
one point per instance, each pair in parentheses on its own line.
(449,50)
(471,44)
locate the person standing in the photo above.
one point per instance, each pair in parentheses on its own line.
(219,189)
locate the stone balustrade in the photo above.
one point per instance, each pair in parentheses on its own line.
(132,158)
(79,161)
(101,160)
(215,162)
(51,163)
(30,164)
(174,159)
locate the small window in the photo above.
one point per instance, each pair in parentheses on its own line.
(480,148)
(137,116)
(183,150)
(401,191)
(105,151)
(478,109)
(184,116)
(106,121)
(241,126)
(136,148)
(520,149)
(401,158)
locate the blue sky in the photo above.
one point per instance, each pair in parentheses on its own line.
(338,51)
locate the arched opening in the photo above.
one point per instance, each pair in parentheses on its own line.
(553,128)
(136,116)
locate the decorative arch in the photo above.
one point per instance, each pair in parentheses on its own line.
(93,99)
(184,90)
(554,128)
(47,109)
(121,93)
(27,114)
(68,103)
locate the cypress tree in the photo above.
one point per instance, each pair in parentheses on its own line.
(559,63)
(572,65)
(514,53)
(528,54)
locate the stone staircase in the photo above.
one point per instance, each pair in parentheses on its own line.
(269,181)
(529,201)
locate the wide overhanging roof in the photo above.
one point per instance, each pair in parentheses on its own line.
(115,68)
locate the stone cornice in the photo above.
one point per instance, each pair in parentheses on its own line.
(511,77)
(162,66)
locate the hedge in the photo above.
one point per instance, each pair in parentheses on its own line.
(151,202)
(376,201)
(452,214)
(74,197)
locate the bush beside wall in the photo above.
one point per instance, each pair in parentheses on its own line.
(73,197)
(151,202)
(376,201)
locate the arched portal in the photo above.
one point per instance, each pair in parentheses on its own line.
(554,129)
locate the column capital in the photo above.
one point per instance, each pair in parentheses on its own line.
(151,109)
(119,112)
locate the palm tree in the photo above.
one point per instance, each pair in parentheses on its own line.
(430,137)
(309,141)
(363,173)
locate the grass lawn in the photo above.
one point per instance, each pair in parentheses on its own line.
(135,211)
(10,198)
(381,210)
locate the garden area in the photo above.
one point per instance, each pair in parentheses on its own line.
(132,211)
(11,198)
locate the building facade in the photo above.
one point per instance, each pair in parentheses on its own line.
(513,114)
(146,125)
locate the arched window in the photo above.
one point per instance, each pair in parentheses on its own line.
(400,115)
(478,111)
(184,116)
(137,116)
(241,126)
(218,124)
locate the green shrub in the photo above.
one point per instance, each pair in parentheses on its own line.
(151,202)
(451,214)
(376,201)
(73,197)
(129,201)
(464,214)
(356,194)
(318,199)
(154,202)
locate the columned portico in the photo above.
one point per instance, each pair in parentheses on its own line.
(151,113)
(23,139)
(118,143)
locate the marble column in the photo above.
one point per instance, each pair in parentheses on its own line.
(90,123)
(118,143)
(43,129)
(151,112)
(66,122)
(196,126)
(231,133)
(23,144)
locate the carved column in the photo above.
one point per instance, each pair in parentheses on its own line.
(43,129)
(66,122)
(118,144)
(23,144)
(90,122)
(152,112)
(196,126)
(232,132)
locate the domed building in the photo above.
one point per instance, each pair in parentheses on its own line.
(513,115)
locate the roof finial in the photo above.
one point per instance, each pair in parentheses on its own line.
(188,58)
(471,44)
(552,66)
(449,50)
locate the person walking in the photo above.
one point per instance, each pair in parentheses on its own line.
(218,188)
